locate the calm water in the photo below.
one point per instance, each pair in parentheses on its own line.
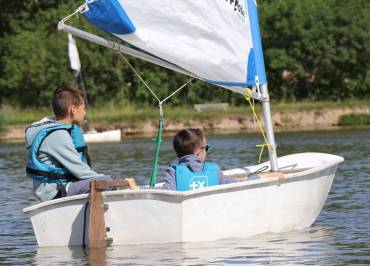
(340,236)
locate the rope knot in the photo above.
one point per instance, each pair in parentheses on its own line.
(248,97)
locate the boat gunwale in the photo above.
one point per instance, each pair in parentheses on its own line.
(224,188)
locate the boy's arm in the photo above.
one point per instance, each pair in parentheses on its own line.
(169,179)
(60,146)
(224,179)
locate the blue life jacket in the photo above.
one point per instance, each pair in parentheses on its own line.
(49,173)
(186,179)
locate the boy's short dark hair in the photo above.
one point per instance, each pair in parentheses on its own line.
(63,97)
(187,141)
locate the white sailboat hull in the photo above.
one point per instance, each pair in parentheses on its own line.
(105,136)
(234,210)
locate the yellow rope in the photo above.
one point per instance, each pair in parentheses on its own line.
(248,97)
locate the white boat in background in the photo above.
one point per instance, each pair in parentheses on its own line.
(105,136)
(234,210)
(217,42)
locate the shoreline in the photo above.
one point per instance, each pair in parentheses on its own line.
(283,121)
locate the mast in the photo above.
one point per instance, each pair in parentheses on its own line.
(268,127)
(261,81)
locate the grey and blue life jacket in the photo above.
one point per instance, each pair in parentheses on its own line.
(186,179)
(45,173)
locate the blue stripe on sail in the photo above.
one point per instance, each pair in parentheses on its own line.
(232,84)
(109,16)
(257,44)
(251,75)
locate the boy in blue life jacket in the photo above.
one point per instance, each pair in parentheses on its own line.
(191,171)
(57,158)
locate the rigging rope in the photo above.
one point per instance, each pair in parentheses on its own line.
(160,103)
(248,97)
(153,179)
(81,9)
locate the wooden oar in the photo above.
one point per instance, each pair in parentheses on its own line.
(96,219)
(289,171)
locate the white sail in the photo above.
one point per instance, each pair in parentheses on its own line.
(216,40)
(74,58)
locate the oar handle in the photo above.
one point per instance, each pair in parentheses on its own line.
(107,184)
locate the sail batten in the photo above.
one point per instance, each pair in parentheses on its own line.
(215,40)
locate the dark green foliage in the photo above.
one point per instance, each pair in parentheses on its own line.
(313,49)
(317,49)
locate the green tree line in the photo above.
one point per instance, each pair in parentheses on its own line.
(314,49)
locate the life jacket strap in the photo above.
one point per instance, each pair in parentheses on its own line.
(84,150)
(50,175)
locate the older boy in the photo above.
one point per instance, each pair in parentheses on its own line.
(192,172)
(58,161)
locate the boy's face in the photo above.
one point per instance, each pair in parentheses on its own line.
(78,113)
(202,154)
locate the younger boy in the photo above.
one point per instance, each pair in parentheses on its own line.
(192,172)
(57,159)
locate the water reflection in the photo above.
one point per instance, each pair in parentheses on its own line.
(312,246)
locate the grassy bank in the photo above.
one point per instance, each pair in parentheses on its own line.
(113,112)
(354,120)
(310,105)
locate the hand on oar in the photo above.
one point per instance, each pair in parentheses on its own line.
(131,183)
(108,184)
(279,175)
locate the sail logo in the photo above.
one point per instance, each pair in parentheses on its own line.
(238,7)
